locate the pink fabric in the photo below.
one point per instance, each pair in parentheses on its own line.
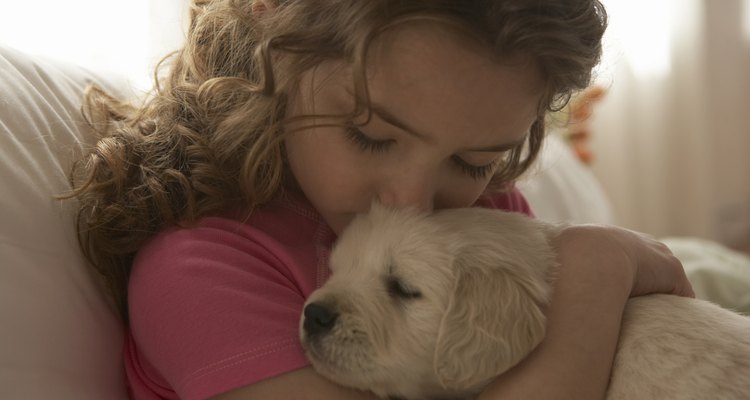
(217,306)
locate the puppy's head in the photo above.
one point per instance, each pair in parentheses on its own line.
(419,306)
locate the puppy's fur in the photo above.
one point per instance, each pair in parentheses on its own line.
(434,306)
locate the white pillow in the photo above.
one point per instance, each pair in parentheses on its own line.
(560,188)
(59,338)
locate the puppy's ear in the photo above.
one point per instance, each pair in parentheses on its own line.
(493,320)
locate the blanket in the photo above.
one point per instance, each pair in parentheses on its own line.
(718,274)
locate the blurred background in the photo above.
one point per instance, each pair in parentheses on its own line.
(671,137)
(125,37)
(669,140)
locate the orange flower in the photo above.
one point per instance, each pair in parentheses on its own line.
(580,109)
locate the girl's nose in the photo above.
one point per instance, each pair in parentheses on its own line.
(409,190)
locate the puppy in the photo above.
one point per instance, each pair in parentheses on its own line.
(435,306)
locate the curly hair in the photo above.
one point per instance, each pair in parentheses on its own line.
(211,133)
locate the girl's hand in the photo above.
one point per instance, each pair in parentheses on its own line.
(649,265)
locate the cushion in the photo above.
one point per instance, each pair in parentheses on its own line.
(60,337)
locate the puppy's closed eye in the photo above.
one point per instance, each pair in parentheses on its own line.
(397,289)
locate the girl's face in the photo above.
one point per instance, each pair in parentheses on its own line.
(444,112)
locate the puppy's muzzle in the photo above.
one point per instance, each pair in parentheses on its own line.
(319,319)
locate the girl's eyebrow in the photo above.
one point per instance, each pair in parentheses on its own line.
(391,119)
(388,117)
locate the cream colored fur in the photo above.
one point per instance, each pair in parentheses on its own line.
(484,278)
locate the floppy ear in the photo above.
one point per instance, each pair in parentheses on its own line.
(493,320)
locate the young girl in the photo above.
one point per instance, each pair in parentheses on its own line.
(215,203)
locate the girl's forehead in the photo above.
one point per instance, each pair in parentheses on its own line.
(441,81)
(427,51)
(437,81)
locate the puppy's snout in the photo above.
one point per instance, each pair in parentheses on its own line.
(319,319)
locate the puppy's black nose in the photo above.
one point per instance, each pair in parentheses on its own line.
(318,319)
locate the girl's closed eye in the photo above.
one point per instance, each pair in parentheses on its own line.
(366,143)
(477,172)
(371,145)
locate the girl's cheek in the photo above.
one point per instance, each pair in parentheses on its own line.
(462,192)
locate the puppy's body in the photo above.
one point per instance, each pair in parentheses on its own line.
(679,348)
(436,306)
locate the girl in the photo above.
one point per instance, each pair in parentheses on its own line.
(216,202)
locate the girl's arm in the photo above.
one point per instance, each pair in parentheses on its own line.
(600,269)
(302,384)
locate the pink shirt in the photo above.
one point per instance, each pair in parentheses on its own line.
(217,306)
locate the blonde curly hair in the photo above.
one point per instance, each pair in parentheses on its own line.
(211,134)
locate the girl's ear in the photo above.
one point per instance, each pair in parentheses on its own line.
(261,6)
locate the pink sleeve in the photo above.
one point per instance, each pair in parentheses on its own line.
(511,200)
(212,309)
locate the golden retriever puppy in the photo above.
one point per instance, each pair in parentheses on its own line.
(434,306)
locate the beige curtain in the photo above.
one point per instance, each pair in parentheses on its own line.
(672,135)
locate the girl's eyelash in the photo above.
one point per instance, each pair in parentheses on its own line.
(365,143)
(368,144)
(475,172)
